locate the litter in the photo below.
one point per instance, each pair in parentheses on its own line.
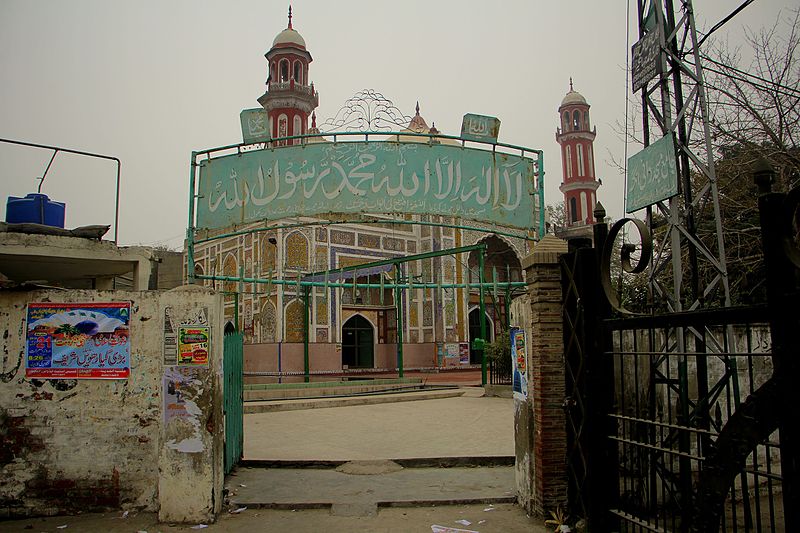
(444,529)
(125,514)
(239,510)
(464,522)
(200,526)
(62,527)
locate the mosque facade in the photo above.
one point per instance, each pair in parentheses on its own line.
(353,329)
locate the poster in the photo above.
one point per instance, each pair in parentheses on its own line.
(451,354)
(78,340)
(463,352)
(193,345)
(519,361)
(176,381)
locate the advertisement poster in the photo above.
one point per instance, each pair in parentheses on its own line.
(193,345)
(463,353)
(519,358)
(78,341)
(451,355)
(176,381)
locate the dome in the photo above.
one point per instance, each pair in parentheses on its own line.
(289,36)
(573,97)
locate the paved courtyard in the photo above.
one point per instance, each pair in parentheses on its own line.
(467,426)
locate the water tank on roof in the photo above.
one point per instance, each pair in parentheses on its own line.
(35,208)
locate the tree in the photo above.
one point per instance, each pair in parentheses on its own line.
(754,113)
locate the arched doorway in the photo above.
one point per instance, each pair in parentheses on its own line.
(475,333)
(229,328)
(357,343)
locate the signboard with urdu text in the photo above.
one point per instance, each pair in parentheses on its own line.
(646,60)
(652,175)
(78,340)
(193,345)
(480,128)
(367,177)
(255,125)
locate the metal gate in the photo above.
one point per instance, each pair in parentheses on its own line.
(233,399)
(695,439)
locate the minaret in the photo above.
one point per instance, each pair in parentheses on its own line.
(579,183)
(290,98)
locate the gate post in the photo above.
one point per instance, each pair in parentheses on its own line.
(778,213)
(539,422)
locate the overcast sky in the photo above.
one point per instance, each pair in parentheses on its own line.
(150,81)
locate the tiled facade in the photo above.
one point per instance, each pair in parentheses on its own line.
(270,313)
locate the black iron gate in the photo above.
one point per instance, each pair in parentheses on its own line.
(684,421)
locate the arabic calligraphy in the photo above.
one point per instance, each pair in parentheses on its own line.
(366,176)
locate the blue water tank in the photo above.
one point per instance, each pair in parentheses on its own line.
(35,208)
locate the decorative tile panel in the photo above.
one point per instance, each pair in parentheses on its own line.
(369,241)
(296,251)
(321,314)
(343,237)
(321,258)
(411,246)
(427,313)
(293,320)
(322,234)
(322,334)
(268,323)
(395,245)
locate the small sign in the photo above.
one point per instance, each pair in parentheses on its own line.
(255,125)
(652,175)
(193,345)
(480,128)
(646,59)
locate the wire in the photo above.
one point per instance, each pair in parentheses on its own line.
(791,91)
(721,23)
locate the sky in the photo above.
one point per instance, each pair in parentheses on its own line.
(150,81)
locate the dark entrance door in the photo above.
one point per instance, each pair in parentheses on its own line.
(475,333)
(357,343)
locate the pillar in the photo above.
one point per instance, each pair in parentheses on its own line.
(540,421)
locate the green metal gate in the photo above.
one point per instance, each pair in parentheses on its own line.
(232,391)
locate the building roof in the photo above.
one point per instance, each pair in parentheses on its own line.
(573,97)
(289,36)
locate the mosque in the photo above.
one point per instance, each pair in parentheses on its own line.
(343,330)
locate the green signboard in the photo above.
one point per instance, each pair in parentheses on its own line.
(255,125)
(480,128)
(652,175)
(366,177)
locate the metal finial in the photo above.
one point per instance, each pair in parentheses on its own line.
(313,119)
(570,78)
(290,16)
(417,107)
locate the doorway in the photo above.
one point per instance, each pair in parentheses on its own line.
(358,343)
(475,333)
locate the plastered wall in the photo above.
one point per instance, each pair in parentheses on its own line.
(83,444)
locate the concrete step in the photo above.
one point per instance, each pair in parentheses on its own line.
(312,390)
(359,488)
(320,403)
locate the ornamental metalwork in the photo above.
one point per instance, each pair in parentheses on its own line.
(367,110)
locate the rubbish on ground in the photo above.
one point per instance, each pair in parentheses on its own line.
(239,510)
(464,522)
(200,526)
(125,514)
(444,529)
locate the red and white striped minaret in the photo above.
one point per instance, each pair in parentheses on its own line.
(579,184)
(290,98)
